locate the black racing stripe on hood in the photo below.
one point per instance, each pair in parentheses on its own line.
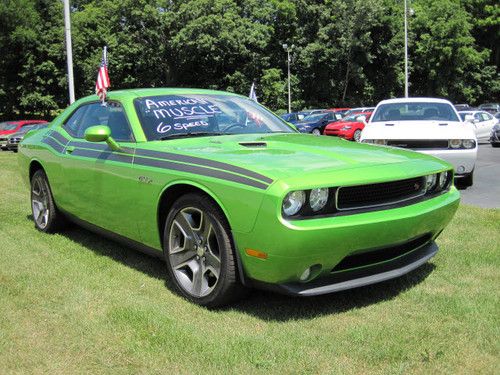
(203,162)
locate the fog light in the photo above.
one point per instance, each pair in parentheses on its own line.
(305,275)
(461,169)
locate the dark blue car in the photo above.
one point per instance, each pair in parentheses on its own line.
(315,123)
(293,117)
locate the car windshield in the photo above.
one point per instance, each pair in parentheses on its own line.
(314,117)
(7,126)
(415,111)
(173,116)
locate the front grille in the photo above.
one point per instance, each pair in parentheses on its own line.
(375,256)
(373,195)
(419,143)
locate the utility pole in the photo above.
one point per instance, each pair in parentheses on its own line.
(69,53)
(406,49)
(288,50)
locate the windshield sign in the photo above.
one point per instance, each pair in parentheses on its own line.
(167,116)
(415,111)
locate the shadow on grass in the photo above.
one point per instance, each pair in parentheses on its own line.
(276,307)
(261,304)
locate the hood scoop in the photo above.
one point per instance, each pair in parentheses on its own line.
(253,144)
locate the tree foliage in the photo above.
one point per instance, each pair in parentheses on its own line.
(346,52)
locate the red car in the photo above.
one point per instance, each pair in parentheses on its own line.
(10,127)
(349,127)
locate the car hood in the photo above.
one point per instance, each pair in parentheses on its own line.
(418,130)
(287,155)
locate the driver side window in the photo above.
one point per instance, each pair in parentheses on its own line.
(93,114)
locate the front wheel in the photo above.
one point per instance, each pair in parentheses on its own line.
(199,253)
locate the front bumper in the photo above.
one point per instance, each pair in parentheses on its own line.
(294,246)
(463,161)
(358,277)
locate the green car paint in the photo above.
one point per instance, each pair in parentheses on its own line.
(119,187)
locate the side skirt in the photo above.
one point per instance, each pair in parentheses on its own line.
(114,236)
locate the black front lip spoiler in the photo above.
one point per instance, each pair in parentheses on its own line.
(357,278)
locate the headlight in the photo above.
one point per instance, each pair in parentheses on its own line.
(455,143)
(468,143)
(293,202)
(318,198)
(430,182)
(443,178)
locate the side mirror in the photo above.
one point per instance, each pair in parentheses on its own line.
(101,133)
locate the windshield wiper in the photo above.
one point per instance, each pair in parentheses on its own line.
(190,134)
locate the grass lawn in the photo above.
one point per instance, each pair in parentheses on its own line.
(77,303)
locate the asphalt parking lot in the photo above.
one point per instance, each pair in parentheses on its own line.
(486,189)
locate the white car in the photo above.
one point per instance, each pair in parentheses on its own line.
(482,121)
(428,125)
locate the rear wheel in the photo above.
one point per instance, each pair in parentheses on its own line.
(45,214)
(199,252)
(357,135)
(316,131)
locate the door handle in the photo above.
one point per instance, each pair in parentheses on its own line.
(70,149)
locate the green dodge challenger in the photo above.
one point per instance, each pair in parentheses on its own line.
(232,197)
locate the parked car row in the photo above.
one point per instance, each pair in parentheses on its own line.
(12,132)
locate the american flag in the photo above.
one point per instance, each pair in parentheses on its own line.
(102,82)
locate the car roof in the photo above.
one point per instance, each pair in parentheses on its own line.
(415,100)
(160,91)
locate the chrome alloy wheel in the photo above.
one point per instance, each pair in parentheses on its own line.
(40,203)
(193,251)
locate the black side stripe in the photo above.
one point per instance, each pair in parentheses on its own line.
(99,146)
(199,170)
(59,137)
(203,162)
(169,161)
(103,155)
(52,143)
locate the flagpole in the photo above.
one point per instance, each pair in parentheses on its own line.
(69,53)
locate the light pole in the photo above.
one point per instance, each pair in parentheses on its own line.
(288,50)
(412,12)
(406,49)
(69,53)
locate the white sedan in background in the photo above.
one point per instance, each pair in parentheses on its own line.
(428,125)
(482,121)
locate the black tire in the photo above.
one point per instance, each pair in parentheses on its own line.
(52,221)
(316,131)
(227,287)
(495,145)
(466,181)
